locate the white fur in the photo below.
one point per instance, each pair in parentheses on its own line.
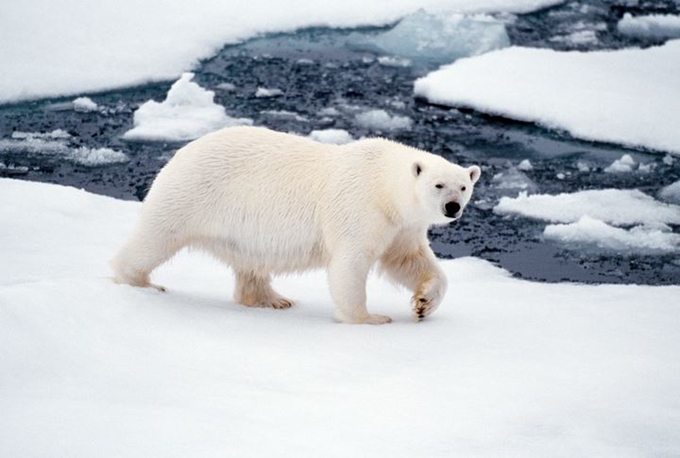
(265,203)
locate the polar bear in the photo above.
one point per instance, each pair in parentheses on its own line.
(266,203)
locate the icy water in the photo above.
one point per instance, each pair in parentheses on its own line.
(318,69)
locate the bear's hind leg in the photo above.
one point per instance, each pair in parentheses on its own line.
(256,291)
(140,255)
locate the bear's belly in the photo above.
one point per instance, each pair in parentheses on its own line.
(267,245)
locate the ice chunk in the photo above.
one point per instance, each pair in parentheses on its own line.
(623,165)
(226,87)
(263,92)
(578,38)
(389,61)
(511,182)
(332,136)
(525,165)
(613,206)
(671,193)
(381,120)
(435,39)
(284,114)
(187,112)
(84,104)
(651,26)
(590,232)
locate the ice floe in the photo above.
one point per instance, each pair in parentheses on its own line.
(589,232)
(187,112)
(650,26)
(505,367)
(438,38)
(58,143)
(95,46)
(629,97)
(613,206)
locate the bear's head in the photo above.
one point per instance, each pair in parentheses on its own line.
(443,189)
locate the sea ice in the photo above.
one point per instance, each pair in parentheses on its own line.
(512,182)
(651,26)
(592,233)
(438,38)
(187,112)
(671,193)
(390,61)
(57,143)
(623,165)
(381,120)
(94,46)
(332,136)
(263,92)
(613,206)
(573,91)
(505,367)
(525,165)
(84,104)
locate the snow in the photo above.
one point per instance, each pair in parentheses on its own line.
(84,104)
(188,112)
(332,136)
(614,206)
(382,120)
(590,232)
(59,47)
(650,26)
(438,38)
(623,165)
(58,143)
(263,92)
(90,368)
(572,91)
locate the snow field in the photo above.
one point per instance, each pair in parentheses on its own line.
(90,368)
(572,91)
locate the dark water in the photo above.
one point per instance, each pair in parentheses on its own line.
(336,75)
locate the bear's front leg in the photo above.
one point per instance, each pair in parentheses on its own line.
(415,266)
(428,295)
(347,274)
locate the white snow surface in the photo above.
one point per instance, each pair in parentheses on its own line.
(573,91)
(614,206)
(591,232)
(650,26)
(382,120)
(188,112)
(90,368)
(57,47)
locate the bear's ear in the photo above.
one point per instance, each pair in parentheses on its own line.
(474,172)
(417,169)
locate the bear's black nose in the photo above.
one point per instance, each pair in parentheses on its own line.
(451,208)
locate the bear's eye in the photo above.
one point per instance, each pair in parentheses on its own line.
(439,186)
(463,188)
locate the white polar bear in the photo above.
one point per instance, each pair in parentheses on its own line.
(266,202)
